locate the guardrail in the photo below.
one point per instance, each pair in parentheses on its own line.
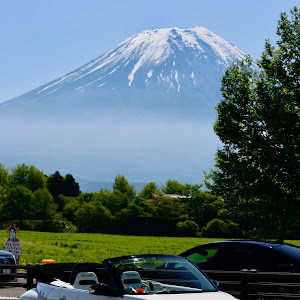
(17,271)
(244,284)
(253,285)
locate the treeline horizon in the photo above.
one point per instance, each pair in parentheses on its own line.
(33,201)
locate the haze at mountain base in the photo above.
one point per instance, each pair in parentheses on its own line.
(152,150)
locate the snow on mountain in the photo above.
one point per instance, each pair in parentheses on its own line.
(187,63)
(149,49)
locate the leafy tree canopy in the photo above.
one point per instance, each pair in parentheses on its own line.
(175,187)
(4,179)
(19,203)
(92,217)
(121,184)
(258,167)
(55,184)
(43,206)
(149,189)
(60,185)
(71,187)
(4,182)
(28,176)
(116,201)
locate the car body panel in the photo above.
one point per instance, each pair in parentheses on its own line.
(50,292)
(237,255)
(133,277)
(31,295)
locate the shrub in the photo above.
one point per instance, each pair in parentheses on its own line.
(187,228)
(220,228)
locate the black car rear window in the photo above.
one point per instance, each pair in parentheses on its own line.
(290,250)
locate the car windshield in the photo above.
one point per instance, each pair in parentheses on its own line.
(6,260)
(151,274)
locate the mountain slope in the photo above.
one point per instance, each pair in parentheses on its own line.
(154,69)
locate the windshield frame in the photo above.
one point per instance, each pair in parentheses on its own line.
(115,273)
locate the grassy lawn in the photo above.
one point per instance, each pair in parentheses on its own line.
(89,247)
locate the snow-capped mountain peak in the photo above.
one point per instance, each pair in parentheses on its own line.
(173,61)
(149,49)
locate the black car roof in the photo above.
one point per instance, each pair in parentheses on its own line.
(5,253)
(260,243)
(268,244)
(284,248)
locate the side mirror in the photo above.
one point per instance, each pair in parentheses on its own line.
(101,289)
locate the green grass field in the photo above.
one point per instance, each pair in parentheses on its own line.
(89,247)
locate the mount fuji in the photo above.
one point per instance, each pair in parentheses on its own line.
(168,69)
(145,109)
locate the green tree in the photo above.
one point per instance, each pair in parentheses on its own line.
(116,201)
(19,204)
(43,206)
(258,167)
(121,184)
(167,208)
(71,187)
(192,189)
(173,187)
(71,205)
(135,209)
(4,186)
(203,207)
(93,217)
(166,212)
(4,177)
(60,185)
(28,176)
(55,184)
(149,189)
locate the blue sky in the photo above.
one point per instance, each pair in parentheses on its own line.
(44,39)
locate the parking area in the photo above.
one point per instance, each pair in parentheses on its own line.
(12,292)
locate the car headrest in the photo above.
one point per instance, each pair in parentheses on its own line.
(84,280)
(132,278)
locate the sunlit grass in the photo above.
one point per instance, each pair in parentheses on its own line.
(89,247)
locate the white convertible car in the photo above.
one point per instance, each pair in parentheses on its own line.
(133,277)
